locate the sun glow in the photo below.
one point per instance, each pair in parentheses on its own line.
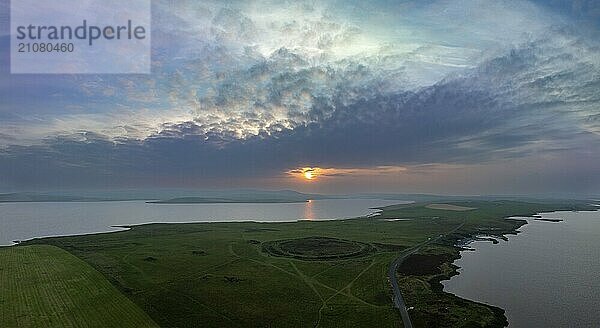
(306,173)
(309,175)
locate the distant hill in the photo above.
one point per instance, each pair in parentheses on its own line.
(165,196)
(35,197)
(243,196)
(192,196)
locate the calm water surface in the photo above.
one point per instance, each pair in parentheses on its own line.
(546,276)
(22,221)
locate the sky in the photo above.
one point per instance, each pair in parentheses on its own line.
(435,96)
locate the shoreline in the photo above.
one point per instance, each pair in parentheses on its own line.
(126,227)
(220,215)
(463,245)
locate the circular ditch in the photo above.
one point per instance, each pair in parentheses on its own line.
(317,248)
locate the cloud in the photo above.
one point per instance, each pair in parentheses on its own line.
(580,10)
(249,68)
(330,172)
(244,92)
(503,109)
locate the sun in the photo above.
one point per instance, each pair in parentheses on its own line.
(309,175)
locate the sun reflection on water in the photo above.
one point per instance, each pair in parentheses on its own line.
(309,213)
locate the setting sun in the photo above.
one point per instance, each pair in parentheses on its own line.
(308,175)
(312,173)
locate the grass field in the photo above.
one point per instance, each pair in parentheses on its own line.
(44,286)
(223,275)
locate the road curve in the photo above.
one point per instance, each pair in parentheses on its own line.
(398,299)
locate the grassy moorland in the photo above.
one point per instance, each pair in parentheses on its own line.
(301,274)
(44,286)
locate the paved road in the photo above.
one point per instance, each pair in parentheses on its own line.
(398,299)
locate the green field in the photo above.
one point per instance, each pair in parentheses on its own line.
(301,274)
(44,286)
